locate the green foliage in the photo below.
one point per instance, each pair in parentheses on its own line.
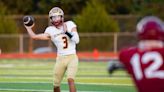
(72,7)
(118,6)
(94,18)
(42,6)
(151,7)
(7,24)
(19,6)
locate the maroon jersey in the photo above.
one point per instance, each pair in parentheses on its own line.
(146,68)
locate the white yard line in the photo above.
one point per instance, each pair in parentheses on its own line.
(29,90)
(111,78)
(33,90)
(112,84)
(17,77)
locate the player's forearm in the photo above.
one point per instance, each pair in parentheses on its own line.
(41,36)
(31,33)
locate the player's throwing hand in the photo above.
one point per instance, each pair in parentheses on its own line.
(28,21)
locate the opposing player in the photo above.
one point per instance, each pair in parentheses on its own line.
(145,62)
(65,36)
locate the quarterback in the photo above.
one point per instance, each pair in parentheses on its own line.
(145,62)
(65,37)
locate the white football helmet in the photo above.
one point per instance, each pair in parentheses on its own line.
(56,11)
(54,15)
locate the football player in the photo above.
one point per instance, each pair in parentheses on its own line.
(145,62)
(65,36)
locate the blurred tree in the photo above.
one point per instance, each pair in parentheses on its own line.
(135,7)
(7,24)
(43,6)
(118,6)
(73,6)
(18,6)
(70,7)
(94,18)
(150,7)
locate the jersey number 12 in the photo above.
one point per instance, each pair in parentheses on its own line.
(151,71)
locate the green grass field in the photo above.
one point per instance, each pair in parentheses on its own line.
(36,75)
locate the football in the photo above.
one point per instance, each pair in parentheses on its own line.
(28,20)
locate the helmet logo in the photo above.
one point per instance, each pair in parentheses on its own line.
(56,11)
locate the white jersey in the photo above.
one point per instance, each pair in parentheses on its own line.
(64,44)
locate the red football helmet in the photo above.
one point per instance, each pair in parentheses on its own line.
(150,28)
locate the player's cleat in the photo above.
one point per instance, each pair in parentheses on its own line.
(28,20)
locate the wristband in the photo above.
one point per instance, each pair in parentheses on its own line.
(68,34)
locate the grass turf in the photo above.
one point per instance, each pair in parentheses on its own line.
(35,75)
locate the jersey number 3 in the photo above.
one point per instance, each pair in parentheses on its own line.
(65,41)
(151,71)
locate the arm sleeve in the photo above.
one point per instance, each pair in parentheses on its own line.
(75,37)
(47,30)
(74,34)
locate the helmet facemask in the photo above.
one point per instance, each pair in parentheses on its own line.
(56,20)
(56,16)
